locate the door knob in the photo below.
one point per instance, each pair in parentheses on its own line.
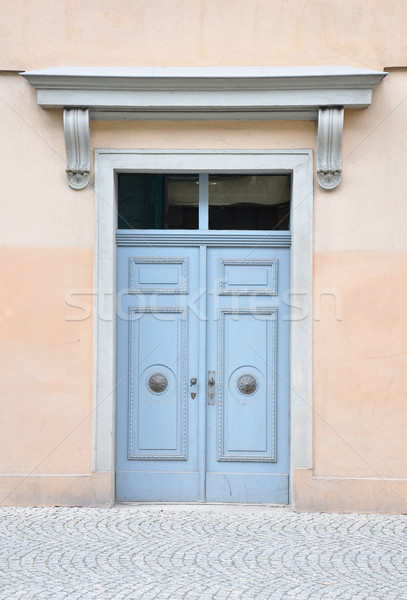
(193,381)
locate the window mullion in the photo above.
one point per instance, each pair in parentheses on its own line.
(203,201)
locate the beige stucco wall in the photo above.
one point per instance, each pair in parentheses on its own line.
(360,324)
(46,254)
(360,247)
(360,353)
(45,33)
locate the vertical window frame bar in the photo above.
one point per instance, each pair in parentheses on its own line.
(203,218)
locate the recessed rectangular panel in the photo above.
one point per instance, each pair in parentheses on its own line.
(157,384)
(157,388)
(245,409)
(158,275)
(247,277)
(153,274)
(247,387)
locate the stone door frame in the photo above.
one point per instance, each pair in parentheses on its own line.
(108,162)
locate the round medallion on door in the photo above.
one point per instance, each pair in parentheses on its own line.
(159,382)
(246,384)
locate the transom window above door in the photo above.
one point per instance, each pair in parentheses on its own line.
(204,201)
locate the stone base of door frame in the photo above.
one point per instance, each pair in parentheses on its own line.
(348,494)
(89,489)
(310,494)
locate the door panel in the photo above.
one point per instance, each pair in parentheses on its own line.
(157,334)
(247,348)
(157,390)
(158,275)
(244,438)
(246,384)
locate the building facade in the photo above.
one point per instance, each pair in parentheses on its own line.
(203,253)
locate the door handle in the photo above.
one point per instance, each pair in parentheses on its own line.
(193,381)
(211,388)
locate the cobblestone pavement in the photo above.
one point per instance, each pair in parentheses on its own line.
(200,552)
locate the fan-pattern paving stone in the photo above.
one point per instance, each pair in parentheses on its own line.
(200,552)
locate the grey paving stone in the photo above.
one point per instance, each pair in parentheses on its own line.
(156,552)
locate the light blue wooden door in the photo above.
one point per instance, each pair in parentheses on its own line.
(225,437)
(247,441)
(157,341)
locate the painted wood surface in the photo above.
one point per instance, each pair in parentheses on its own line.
(209,313)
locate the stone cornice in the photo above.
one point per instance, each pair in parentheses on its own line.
(212,93)
(174,89)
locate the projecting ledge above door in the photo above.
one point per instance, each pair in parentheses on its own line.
(204,93)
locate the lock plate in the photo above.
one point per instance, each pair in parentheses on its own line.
(211,388)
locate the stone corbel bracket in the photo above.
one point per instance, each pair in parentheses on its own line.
(329,147)
(77,145)
(317,93)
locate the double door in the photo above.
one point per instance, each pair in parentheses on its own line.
(202,374)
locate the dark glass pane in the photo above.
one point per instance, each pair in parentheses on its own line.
(249,202)
(149,201)
(182,201)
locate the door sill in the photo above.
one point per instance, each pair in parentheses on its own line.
(205,506)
